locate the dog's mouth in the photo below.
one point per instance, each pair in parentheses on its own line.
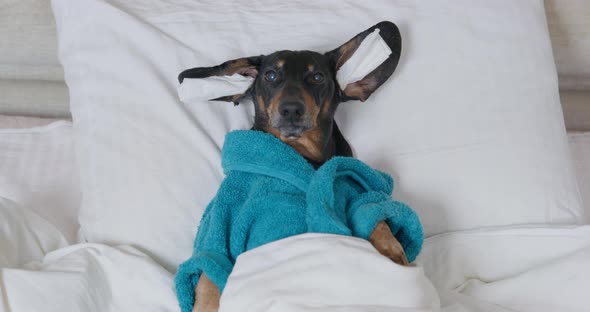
(291,132)
(290,129)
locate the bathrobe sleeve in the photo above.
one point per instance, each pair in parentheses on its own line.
(210,256)
(348,197)
(370,208)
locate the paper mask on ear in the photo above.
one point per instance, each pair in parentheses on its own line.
(371,53)
(195,90)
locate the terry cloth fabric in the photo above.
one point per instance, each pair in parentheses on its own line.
(271,192)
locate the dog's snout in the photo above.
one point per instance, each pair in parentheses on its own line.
(292,110)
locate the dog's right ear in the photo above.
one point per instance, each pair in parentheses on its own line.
(362,89)
(247,66)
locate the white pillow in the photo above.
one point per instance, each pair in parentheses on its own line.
(469,124)
(580,145)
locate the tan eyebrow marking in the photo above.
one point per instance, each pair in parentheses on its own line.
(261,103)
(280,63)
(311,107)
(274,103)
(326,106)
(310,67)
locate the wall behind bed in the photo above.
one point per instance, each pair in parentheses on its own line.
(569,26)
(32,82)
(31,78)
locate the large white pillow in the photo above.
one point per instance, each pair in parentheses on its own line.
(469,124)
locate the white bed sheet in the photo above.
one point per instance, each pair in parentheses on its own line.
(328,273)
(38,169)
(494,270)
(514,269)
(499,270)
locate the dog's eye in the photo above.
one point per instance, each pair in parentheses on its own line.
(318,77)
(270,75)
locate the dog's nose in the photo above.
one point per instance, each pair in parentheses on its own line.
(292,109)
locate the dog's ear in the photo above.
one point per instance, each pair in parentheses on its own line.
(247,66)
(362,89)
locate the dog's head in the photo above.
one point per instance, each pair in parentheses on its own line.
(296,94)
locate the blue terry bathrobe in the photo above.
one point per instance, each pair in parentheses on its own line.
(271,192)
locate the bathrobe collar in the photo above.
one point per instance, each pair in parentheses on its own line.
(262,153)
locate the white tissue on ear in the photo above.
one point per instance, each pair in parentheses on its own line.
(371,53)
(194,90)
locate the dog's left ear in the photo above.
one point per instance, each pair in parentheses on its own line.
(362,89)
(247,66)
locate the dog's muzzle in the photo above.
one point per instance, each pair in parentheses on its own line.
(291,122)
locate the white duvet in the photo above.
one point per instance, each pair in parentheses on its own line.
(517,269)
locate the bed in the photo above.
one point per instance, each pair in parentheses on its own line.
(68,190)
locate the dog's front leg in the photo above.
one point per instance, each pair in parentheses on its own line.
(206,295)
(387,245)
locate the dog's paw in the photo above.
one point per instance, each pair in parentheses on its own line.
(394,251)
(206,295)
(387,245)
(205,309)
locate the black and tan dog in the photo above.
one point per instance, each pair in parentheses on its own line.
(296,94)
